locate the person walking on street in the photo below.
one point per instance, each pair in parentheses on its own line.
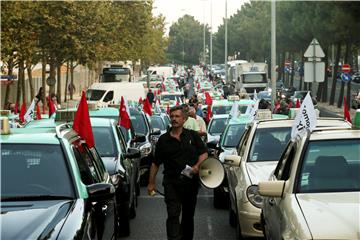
(181,151)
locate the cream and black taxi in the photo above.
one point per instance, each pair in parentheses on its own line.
(259,150)
(314,192)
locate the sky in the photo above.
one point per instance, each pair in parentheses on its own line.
(200,9)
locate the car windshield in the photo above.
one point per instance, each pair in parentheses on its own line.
(254,78)
(170,97)
(216,110)
(233,135)
(269,143)
(300,95)
(330,166)
(105,141)
(139,124)
(157,122)
(217,126)
(94,94)
(125,132)
(34,170)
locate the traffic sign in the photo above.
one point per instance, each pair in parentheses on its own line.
(314,50)
(314,75)
(345,68)
(345,77)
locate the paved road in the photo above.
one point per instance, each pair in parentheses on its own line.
(149,224)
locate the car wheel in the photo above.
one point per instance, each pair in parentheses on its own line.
(220,200)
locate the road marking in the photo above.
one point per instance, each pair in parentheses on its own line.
(209,225)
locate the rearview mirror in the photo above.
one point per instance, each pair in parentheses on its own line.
(139,138)
(133,153)
(155,131)
(232,160)
(100,191)
(272,188)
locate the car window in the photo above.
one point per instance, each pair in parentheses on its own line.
(157,122)
(282,171)
(34,170)
(139,124)
(120,136)
(109,96)
(330,166)
(105,141)
(268,144)
(88,171)
(233,135)
(243,141)
(98,163)
(217,126)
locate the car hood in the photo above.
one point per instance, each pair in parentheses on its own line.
(260,171)
(33,219)
(331,215)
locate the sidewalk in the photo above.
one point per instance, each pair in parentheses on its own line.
(335,109)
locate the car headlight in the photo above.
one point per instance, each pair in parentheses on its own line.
(145,149)
(254,197)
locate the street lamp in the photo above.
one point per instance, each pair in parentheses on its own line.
(210,35)
(226,68)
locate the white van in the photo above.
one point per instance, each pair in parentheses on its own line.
(104,94)
(161,71)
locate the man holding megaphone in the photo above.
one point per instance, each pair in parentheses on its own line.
(181,151)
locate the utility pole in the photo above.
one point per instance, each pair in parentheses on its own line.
(204,53)
(226,68)
(210,35)
(273,53)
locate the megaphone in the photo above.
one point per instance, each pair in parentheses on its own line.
(211,173)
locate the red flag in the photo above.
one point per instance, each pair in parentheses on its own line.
(22,112)
(208,99)
(290,104)
(51,106)
(141,100)
(82,124)
(209,114)
(16,108)
(198,86)
(163,86)
(147,107)
(38,113)
(124,119)
(298,104)
(43,109)
(346,111)
(159,91)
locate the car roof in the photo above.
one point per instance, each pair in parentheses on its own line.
(226,102)
(26,135)
(329,134)
(321,123)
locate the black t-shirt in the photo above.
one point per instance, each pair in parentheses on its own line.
(175,154)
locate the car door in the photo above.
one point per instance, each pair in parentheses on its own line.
(93,171)
(274,215)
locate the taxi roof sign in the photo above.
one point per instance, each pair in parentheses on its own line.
(263,114)
(5,112)
(5,126)
(233,98)
(65,115)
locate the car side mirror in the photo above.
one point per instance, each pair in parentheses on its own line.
(100,192)
(139,138)
(212,145)
(272,188)
(133,153)
(155,131)
(232,160)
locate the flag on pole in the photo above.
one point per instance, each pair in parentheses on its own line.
(51,107)
(157,106)
(29,115)
(346,111)
(38,113)
(305,119)
(16,108)
(22,112)
(82,124)
(253,111)
(208,114)
(208,100)
(147,107)
(298,104)
(234,112)
(141,100)
(255,97)
(124,119)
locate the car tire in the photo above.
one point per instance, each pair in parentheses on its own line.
(220,200)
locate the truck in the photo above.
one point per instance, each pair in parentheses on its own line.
(116,72)
(249,76)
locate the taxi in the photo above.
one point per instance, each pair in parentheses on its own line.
(314,191)
(229,140)
(170,98)
(53,186)
(258,152)
(224,106)
(120,162)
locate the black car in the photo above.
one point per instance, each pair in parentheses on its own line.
(356,77)
(54,187)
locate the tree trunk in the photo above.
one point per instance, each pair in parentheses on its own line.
(71,86)
(66,80)
(18,91)
(43,82)
(336,66)
(348,88)
(325,83)
(22,85)
(293,69)
(52,74)
(10,64)
(29,73)
(58,92)
(302,70)
(346,59)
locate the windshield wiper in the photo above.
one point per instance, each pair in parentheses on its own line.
(35,197)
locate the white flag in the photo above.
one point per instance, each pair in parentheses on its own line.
(255,98)
(253,111)
(305,119)
(234,113)
(127,106)
(30,112)
(157,106)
